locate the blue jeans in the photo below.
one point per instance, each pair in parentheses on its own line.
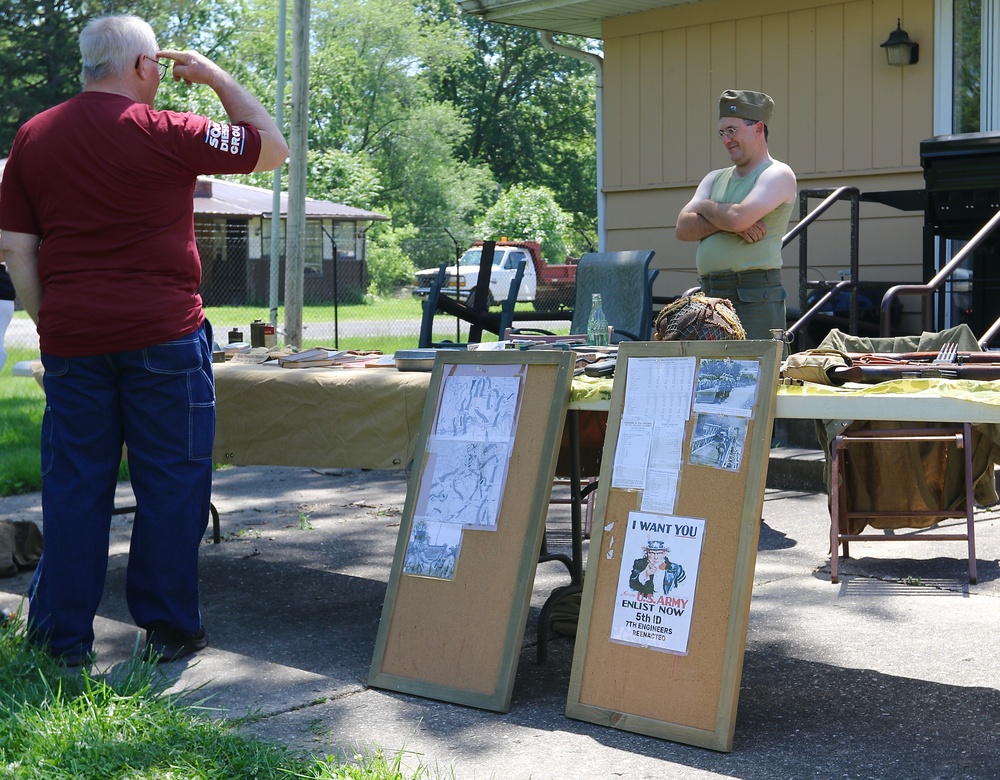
(160,403)
(757,296)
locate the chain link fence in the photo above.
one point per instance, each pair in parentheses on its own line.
(354,297)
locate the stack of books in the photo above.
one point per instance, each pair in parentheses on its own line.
(324,356)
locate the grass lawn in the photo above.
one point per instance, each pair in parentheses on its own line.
(379,309)
(56,724)
(403,307)
(390,308)
(21,405)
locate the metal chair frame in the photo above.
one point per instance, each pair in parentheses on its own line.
(960,435)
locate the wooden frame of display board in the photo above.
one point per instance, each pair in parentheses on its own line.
(459,639)
(687,688)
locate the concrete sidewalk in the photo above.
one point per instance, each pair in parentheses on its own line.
(870,678)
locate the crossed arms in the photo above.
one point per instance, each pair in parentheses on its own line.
(702,216)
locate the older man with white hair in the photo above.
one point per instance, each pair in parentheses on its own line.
(96,214)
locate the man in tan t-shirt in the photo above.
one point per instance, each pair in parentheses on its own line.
(739,215)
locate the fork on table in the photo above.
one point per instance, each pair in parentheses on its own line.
(947,354)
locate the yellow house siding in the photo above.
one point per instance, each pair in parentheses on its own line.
(775,73)
(842,116)
(675,129)
(631,127)
(699,68)
(839,106)
(722,42)
(886,138)
(651,108)
(917,116)
(749,49)
(801,128)
(858,73)
(829,96)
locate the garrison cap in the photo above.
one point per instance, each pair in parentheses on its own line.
(745,104)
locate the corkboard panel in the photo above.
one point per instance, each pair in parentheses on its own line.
(459,640)
(697,693)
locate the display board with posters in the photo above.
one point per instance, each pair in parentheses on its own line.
(471,532)
(663,620)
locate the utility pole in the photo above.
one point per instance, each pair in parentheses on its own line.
(298,146)
(274,274)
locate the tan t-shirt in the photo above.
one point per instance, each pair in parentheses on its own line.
(726,252)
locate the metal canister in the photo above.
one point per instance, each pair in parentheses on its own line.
(257,333)
(235,336)
(270,339)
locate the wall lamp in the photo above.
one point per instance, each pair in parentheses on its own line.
(900,49)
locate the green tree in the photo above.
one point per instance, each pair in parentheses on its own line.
(40,54)
(531,111)
(39,60)
(370,102)
(240,39)
(344,177)
(528,214)
(428,186)
(389,266)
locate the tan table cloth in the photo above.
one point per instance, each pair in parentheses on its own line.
(319,417)
(331,417)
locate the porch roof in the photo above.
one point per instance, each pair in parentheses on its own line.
(573,17)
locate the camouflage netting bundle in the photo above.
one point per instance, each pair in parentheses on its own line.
(698,318)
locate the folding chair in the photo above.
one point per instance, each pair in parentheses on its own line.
(843,518)
(477,315)
(625,282)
